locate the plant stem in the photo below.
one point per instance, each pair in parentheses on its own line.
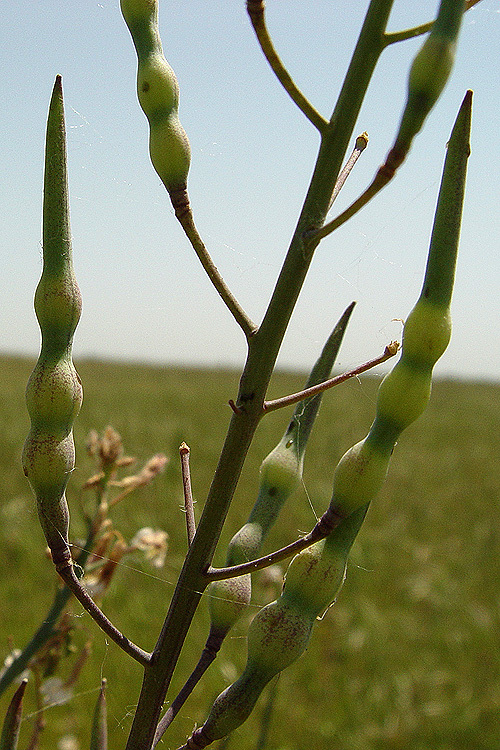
(263,348)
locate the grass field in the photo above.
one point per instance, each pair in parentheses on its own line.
(407,659)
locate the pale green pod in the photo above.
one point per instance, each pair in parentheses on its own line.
(54,393)
(170,151)
(227,600)
(404,392)
(403,395)
(277,636)
(245,544)
(158,94)
(429,74)
(314,578)
(427,332)
(359,476)
(157,88)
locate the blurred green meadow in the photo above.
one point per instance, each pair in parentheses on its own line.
(409,656)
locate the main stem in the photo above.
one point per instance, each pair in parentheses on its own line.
(263,350)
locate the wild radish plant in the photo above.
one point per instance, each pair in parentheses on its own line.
(281,630)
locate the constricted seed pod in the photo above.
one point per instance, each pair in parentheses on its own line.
(280,475)
(405,391)
(54,393)
(158,94)
(280,632)
(228,599)
(428,76)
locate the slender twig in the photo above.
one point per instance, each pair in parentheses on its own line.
(359,147)
(328,521)
(256,13)
(47,627)
(68,575)
(184,214)
(207,656)
(294,398)
(188,493)
(384,175)
(402,36)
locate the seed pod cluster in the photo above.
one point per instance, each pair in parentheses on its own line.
(280,475)
(279,633)
(54,392)
(429,74)
(405,391)
(158,94)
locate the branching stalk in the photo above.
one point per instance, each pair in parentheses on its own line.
(264,346)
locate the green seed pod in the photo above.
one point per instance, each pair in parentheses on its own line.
(228,599)
(157,88)
(315,576)
(404,392)
(54,393)
(158,94)
(280,632)
(170,152)
(245,544)
(429,74)
(359,476)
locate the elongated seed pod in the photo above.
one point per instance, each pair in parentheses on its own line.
(158,94)
(405,391)
(429,74)
(280,632)
(54,393)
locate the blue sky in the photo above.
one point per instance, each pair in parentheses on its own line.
(145,294)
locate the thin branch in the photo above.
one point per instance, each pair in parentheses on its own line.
(188,493)
(359,147)
(402,36)
(255,9)
(294,398)
(384,175)
(326,524)
(209,653)
(68,575)
(183,212)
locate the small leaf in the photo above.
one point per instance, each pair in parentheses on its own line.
(12,723)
